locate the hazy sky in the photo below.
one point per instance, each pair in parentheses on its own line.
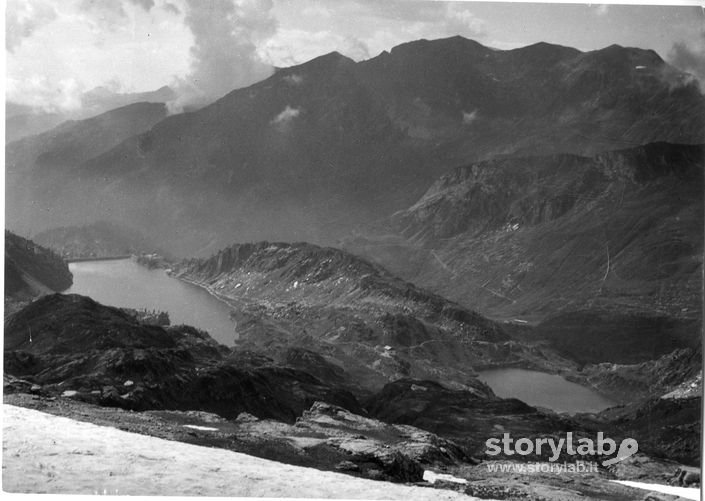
(58,49)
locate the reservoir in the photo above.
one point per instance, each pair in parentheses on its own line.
(124,283)
(544,390)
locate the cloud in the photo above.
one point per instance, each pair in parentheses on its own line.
(171,8)
(107,13)
(690,59)
(290,47)
(602,10)
(460,20)
(293,79)
(469,118)
(224,56)
(145,4)
(354,48)
(286,116)
(42,93)
(58,49)
(433,19)
(314,10)
(110,14)
(23,18)
(399,22)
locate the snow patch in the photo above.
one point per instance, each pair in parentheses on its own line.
(202,428)
(56,455)
(684,492)
(432,477)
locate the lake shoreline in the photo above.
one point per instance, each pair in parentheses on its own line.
(572,397)
(88,259)
(220,297)
(124,283)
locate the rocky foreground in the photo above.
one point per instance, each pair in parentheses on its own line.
(194,453)
(71,356)
(81,458)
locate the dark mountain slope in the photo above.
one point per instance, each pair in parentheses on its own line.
(70,342)
(597,336)
(538,99)
(37,167)
(317,149)
(530,237)
(23,121)
(76,141)
(31,269)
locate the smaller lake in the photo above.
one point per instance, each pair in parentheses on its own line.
(544,390)
(126,284)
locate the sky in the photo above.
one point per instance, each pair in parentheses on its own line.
(58,49)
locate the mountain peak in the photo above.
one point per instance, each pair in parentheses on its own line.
(628,57)
(544,52)
(441,45)
(326,61)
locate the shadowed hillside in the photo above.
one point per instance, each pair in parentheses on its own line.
(100,239)
(526,238)
(318,149)
(31,270)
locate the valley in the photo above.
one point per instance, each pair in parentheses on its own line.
(372,268)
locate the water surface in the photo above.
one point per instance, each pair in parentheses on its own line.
(544,390)
(124,283)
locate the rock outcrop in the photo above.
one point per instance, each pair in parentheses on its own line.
(617,233)
(31,269)
(73,343)
(356,315)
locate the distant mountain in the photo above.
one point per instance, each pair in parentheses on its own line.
(321,148)
(31,270)
(101,99)
(23,120)
(100,239)
(37,167)
(619,233)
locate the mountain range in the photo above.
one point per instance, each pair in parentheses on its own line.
(329,146)
(441,209)
(23,120)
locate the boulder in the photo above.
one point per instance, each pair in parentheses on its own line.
(687,476)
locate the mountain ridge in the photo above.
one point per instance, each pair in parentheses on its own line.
(620,229)
(31,270)
(318,149)
(357,315)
